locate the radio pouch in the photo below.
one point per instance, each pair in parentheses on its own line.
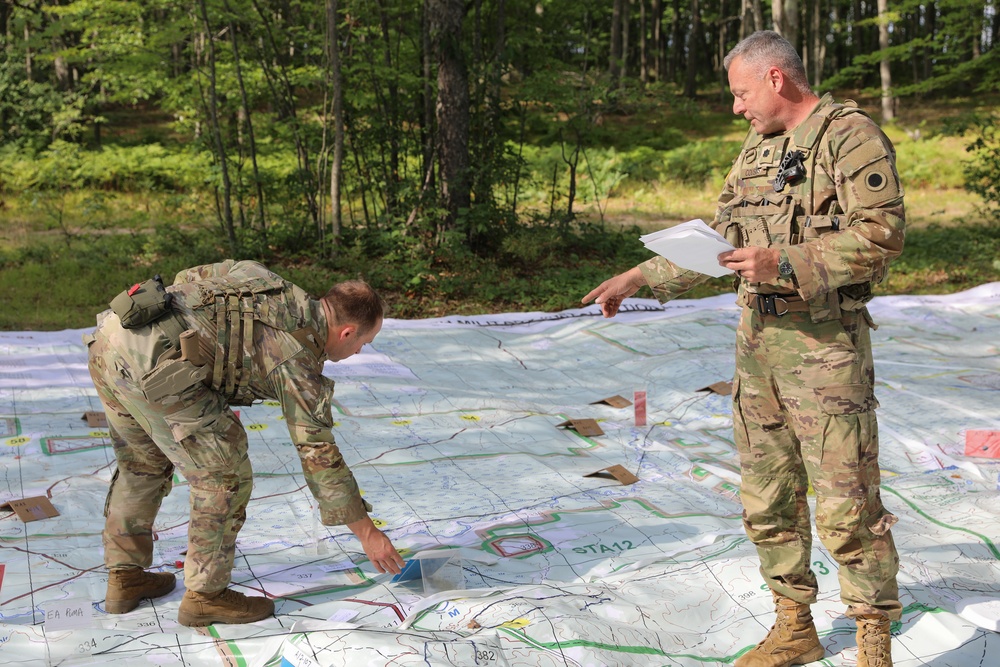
(142,303)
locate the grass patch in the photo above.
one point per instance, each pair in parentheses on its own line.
(942,259)
(57,283)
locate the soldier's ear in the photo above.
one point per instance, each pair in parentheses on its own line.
(347,332)
(775,78)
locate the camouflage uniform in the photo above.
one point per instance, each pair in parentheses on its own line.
(803,399)
(260,337)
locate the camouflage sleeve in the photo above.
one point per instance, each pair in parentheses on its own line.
(862,163)
(305,396)
(204,271)
(669,281)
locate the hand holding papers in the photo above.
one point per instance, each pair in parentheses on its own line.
(690,245)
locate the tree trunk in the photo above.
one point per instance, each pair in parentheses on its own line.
(27,52)
(452,106)
(658,55)
(995,28)
(643,47)
(930,20)
(245,107)
(615,59)
(676,40)
(888,112)
(785,14)
(694,46)
(816,42)
(427,128)
(336,167)
(220,149)
(758,15)
(623,71)
(392,184)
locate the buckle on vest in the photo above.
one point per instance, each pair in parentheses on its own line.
(767,304)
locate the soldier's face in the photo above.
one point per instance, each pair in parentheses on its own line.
(345,342)
(755,97)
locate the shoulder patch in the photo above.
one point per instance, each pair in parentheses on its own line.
(876,184)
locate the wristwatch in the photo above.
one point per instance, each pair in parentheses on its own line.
(785,269)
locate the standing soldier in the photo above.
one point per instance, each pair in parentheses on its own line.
(168,363)
(814,207)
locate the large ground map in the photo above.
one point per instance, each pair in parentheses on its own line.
(453,429)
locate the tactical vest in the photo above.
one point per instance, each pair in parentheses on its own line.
(238,305)
(761,215)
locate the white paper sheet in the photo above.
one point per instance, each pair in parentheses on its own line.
(690,245)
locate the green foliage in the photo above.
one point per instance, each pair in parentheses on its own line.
(982,173)
(928,163)
(939,259)
(27,108)
(700,161)
(66,165)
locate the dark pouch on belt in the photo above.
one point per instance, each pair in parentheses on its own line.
(171,378)
(142,303)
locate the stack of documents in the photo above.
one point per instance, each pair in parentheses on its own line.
(690,245)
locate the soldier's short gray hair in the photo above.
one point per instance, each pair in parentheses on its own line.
(355,302)
(765,49)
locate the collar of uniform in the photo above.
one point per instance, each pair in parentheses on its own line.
(320,326)
(824,101)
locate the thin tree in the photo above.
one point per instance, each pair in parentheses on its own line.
(785,15)
(245,105)
(333,46)
(615,56)
(452,106)
(888,113)
(695,45)
(220,149)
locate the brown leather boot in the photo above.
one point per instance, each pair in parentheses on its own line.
(126,588)
(874,639)
(225,606)
(792,639)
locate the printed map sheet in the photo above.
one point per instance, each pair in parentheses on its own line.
(450,426)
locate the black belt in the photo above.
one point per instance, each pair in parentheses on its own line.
(777,304)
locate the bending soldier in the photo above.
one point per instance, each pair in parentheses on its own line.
(246,334)
(814,208)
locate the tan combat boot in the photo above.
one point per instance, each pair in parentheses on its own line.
(873,641)
(225,606)
(126,588)
(791,641)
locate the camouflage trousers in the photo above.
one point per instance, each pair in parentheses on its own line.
(193,431)
(804,410)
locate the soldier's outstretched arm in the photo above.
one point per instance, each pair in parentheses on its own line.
(610,294)
(377,545)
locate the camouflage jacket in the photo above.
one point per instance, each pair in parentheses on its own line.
(282,360)
(839,224)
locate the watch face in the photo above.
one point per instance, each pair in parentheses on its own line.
(785,268)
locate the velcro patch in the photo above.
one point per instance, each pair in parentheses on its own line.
(861,156)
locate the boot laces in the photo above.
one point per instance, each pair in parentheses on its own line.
(781,628)
(872,643)
(231,597)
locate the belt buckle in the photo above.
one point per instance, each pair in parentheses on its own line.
(767,304)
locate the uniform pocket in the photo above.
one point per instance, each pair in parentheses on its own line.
(208,433)
(815,226)
(845,399)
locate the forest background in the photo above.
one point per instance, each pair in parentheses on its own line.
(463,156)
